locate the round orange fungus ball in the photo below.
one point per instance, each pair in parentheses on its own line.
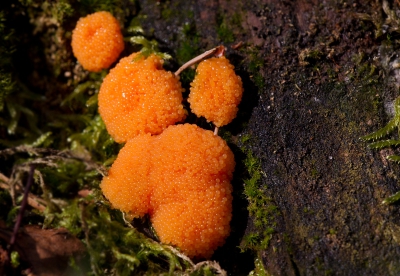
(138,96)
(216,91)
(97,41)
(181,178)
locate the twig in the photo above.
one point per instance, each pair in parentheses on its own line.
(180,255)
(33,201)
(3,178)
(52,157)
(217,51)
(27,149)
(237,45)
(22,209)
(211,264)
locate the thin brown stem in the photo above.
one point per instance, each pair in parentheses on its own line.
(22,209)
(217,51)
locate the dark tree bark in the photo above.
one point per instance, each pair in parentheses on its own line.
(318,75)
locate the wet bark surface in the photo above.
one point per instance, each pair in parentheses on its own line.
(316,78)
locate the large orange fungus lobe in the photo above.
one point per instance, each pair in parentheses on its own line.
(138,96)
(216,91)
(97,41)
(181,178)
(127,185)
(192,202)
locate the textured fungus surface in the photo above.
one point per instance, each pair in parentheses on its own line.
(182,179)
(97,41)
(216,91)
(127,185)
(138,96)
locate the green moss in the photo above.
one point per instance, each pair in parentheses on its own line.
(252,240)
(255,64)
(168,11)
(229,26)
(188,49)
(190,43)
(261,207)
(60,9)
(259,269)
(15,259)
(309,56)
(112,246)
(288,242)
(224,30)
(314,173)
(237,19)
(244,138)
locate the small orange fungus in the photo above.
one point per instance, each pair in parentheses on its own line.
(216,91)
(138,96)
(181,178)
(97,41)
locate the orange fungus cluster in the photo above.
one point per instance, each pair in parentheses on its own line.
(138,96)
(177,174)
(181,178)
(97,41)
(216,91)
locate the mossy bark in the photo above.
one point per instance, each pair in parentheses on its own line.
(316,79)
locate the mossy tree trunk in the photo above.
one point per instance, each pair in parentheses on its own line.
(318,75)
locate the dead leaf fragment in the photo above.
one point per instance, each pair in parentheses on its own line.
(48,251)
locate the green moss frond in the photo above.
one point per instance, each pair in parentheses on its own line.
(384,144)
(394,123)
(386,130)
(392,199)
(394,158)
(96,140)
(149,47)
